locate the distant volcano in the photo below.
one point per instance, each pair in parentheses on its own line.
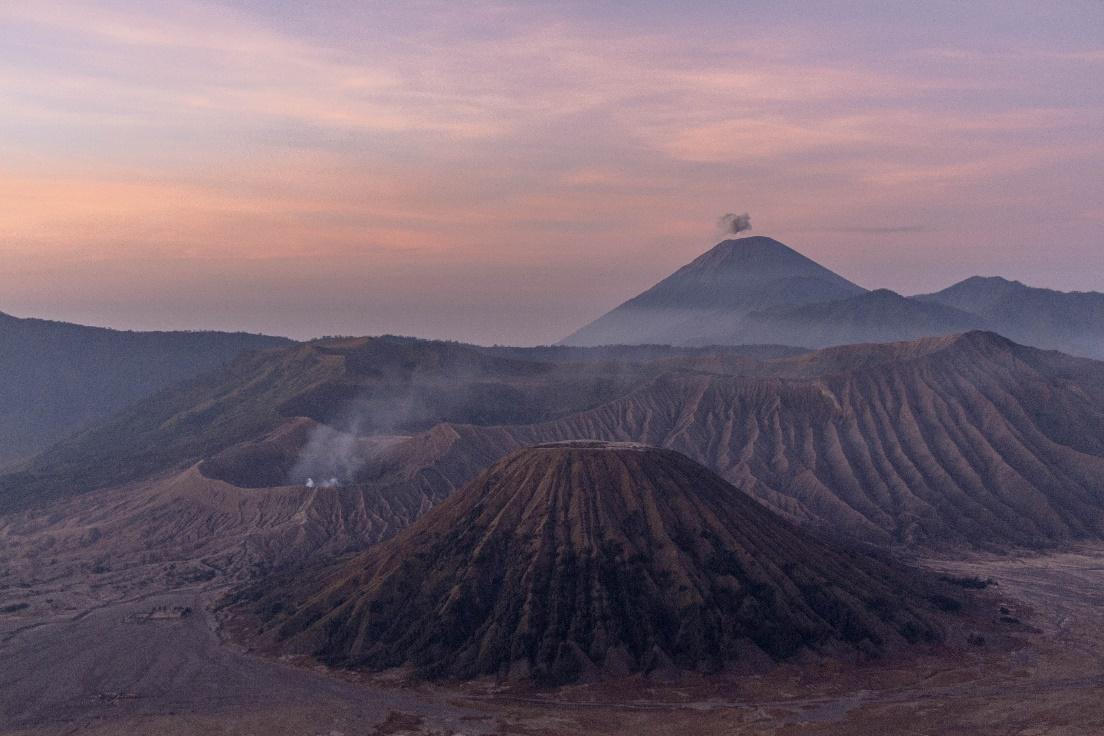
(584,557)
(735,278)
(749,291)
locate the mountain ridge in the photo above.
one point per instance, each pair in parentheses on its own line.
(348,386)
(970,439)
(967,439)
(879,315)
(1070,321)
(57,378)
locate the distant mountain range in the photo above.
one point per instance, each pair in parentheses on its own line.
(363,387)
(941,441)
(1072,322)
(56,378)
(758,290)
(562,513)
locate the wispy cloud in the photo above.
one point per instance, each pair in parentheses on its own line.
(516,140)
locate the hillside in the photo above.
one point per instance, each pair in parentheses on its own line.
(57,378)
(942,441)
(566,559)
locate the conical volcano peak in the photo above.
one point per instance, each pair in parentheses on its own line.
(753,247)
(594,557)
(697,303)
(757,255)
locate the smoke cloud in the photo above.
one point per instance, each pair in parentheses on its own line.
(732,224)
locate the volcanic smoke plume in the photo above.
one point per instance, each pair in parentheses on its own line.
(733,224)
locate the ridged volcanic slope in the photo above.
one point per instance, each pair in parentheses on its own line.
(970,438)
(568,557)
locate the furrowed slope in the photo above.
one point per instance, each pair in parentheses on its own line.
(961,439)
(188,525)
(966,439)
(564,559)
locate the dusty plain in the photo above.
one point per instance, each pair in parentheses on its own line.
(140,649)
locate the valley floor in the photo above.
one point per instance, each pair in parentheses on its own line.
(123,657)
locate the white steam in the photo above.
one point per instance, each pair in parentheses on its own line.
(329,455)
(333,455)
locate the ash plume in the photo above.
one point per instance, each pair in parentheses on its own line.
(731,223)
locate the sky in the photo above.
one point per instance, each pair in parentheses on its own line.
(506,172)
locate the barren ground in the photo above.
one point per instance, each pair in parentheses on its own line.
(83,656)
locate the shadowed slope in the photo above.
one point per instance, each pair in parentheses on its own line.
(940,441)
(56,378)
(566,557)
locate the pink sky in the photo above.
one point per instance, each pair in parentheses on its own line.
(505,173)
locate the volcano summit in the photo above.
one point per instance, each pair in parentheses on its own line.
(574,558)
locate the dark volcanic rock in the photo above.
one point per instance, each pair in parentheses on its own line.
(566,559)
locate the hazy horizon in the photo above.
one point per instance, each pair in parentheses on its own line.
(507,174)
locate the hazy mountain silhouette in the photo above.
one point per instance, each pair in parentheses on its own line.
(876,316)
(56,378)
(1069,321)
(757,290)
(566,559)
